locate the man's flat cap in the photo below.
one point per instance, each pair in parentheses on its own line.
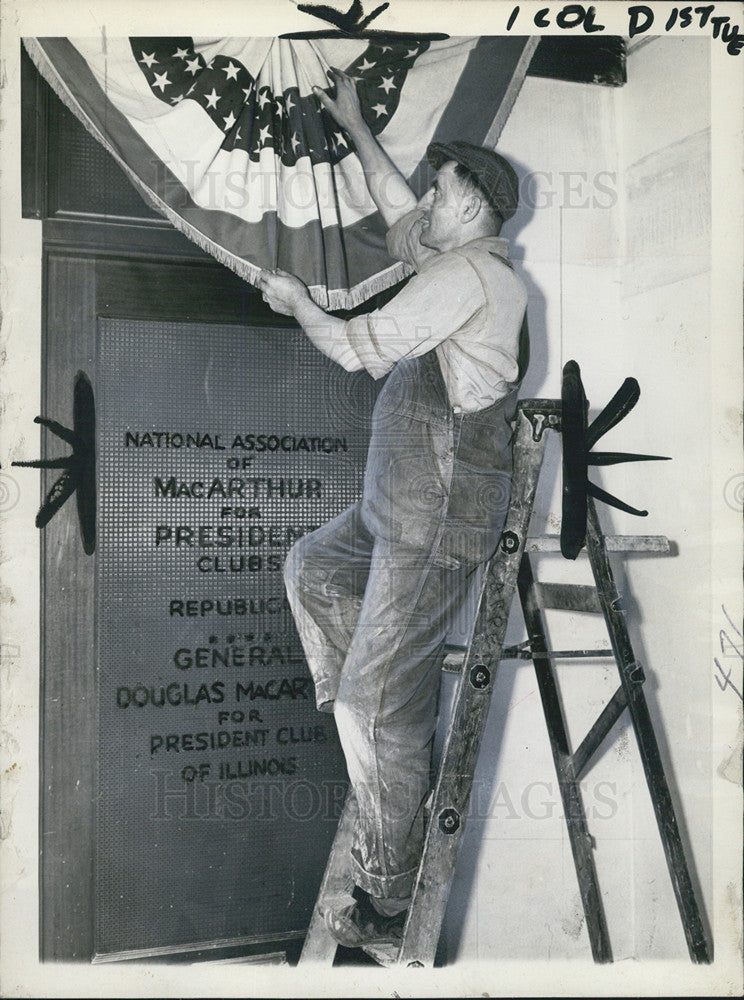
(495,175)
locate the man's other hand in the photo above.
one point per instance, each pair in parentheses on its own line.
(345,108)
(282,291)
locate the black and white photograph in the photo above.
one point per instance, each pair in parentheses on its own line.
(371,494)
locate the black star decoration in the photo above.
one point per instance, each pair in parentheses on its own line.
(79,468)
(578,440)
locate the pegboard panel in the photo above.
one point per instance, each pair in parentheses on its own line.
(219,783)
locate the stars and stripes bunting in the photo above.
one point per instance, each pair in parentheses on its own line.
(227,139)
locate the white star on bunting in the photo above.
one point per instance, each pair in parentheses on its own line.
(380,109)
(364,66)
(192,66)
(148,60)
(261,137)
(263,98)
(231,70)
(229,121)
(180,53)
(387,84)
(212,99)
(162,81)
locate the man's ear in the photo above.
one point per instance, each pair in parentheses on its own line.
(471,207)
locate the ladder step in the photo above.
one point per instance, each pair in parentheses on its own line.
(613,543)
(568,597)
(524,651)
(598,733)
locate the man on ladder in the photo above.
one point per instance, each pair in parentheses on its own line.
(375,591)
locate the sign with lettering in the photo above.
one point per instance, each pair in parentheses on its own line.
(219,782)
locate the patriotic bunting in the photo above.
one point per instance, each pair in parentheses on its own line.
(226,138)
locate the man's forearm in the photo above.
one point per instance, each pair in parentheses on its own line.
(385,182)
(327,333)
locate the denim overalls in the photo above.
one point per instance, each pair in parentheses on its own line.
(376,590)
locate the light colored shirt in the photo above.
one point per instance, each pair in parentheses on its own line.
(464,303)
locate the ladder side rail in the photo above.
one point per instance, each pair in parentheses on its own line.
(454,782)
(319,946)
(631,678)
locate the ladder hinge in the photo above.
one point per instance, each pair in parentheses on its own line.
(540,421)
(635,673)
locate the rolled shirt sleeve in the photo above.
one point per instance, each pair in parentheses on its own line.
(435,303)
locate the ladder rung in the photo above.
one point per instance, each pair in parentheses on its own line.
(525,652)
(568,597)
(453,661)
(613,543)
(596,735)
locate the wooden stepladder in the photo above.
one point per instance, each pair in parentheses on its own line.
(511,571)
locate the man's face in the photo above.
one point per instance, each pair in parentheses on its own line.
(441,205)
